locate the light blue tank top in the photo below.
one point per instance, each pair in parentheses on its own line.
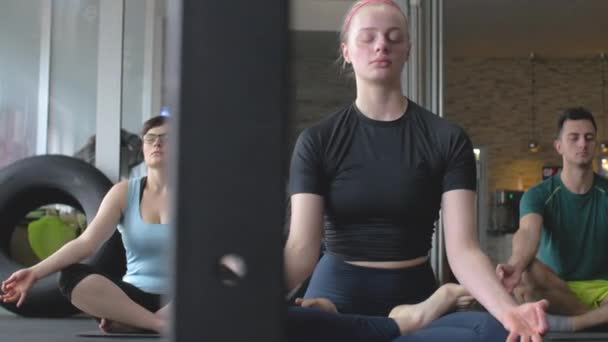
(146,246)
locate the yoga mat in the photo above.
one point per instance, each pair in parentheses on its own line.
(97,333)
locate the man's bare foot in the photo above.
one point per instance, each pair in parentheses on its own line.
(410,318)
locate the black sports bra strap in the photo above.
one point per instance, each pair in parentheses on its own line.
(142,187)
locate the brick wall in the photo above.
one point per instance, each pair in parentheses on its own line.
(491,99)
(318,86)
(320,89)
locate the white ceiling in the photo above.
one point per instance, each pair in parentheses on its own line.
(494,27)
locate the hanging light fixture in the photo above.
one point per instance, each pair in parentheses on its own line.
(604,142)
(533,145)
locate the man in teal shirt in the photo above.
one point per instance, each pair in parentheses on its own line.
(567,217)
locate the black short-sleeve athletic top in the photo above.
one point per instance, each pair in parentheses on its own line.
(381,181)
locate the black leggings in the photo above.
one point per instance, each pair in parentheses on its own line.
(306,325)
(73,274)
(369,291)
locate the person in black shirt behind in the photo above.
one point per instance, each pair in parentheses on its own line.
(374,175)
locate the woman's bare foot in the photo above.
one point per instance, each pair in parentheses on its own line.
(109,326)
(162,320)
(317,303)
(465,303)
(448,297)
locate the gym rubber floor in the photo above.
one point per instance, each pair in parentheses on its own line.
(19,329)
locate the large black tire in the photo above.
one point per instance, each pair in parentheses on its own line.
(36,181)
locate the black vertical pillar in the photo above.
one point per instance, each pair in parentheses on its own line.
(229,168)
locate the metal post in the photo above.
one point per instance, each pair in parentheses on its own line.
(109,88)
(44,77)
(151,89)
(229,169)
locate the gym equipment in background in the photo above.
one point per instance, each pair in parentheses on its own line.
(36,181)
(506,211)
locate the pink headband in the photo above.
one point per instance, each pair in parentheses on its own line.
(364,3)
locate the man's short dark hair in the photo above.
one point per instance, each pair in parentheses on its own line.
(574,113)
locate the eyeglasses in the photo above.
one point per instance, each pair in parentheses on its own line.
(150,138)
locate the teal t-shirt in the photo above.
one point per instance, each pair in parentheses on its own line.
(574,241)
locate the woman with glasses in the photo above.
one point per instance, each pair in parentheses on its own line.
(139,209)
